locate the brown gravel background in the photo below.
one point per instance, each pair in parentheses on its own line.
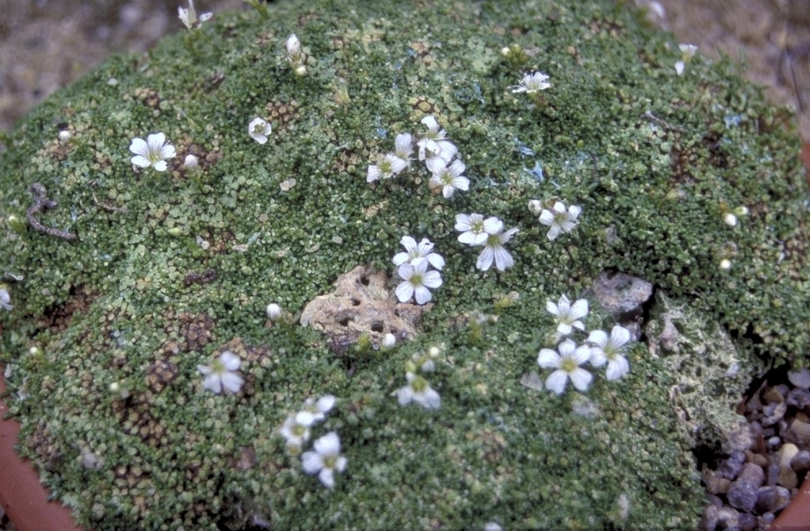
(46,44)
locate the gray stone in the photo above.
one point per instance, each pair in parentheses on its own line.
(747,522)
(798,398)
(728,517)
(801,461)
(742,495)
(772,474)
(752,474)
(708,521)
(800,378)
(771,499)
(773,413)
(766,520)
(622,295)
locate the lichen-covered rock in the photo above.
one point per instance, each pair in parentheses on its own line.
(124,281)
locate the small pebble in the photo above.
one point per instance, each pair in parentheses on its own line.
(716,485)
(786,454)
(801,461)
(772,395)
(798,398)
(731,467)
(772,499)
(772,474)
(766,520)
(728,517)
(747,522)
(799,432)
(773,442)
(742,495)
(773,413)
(800,378)
(757,459)
(709,520)
(787,478)
(782,389)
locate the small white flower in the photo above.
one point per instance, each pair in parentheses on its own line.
(725,264)
(679,67)
(609,349)
(293,46)
(495,251)
(258,129)
(560,220)
(222,373)
(417,281)
(417,253)
(476,229)
(688,50)
(154,151)
(568,317)
(532,83)
(403,147)
(387,167)
(434,148)
(418,390)
(321,407)
(190,162)
(273,311)
(325,460)
(567,363)
(295,429)
(730,219)
(64,136)
(450,179)
(5,299)
(189,16)
(389,341)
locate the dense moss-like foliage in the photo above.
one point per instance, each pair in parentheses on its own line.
(171,268)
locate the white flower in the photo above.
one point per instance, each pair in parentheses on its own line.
(386,168)
(688,50)
(222,373)
(258,129)
(679,67)
(609,349)
(5,299)
(416,254)
(567,363)
(154,151)
(319,408)
(450,179)
(418,390)
(532,83)
(495,251)
(325,460)
(417,282)
(561,220)
(403,147)
(476,229)
(190,162)
(293,46)
(434,148)
(189,16)
(273,311)
(295,429)
(568,317)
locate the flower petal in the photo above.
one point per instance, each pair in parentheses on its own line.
(617,368)
(548,359)
(556,381)
(581,378)
(404,291)
(311,462)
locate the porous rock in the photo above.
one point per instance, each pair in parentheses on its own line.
(622,295)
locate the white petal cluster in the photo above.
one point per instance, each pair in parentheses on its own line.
(609,349)
(189,16)
(566,361)
(296,427)
(418,390)
(559,219)
(154,151)
(449,179)
(392,164)
(687,52)
(412,264)
(295,55)
(489,234)
(221,374)
(568,315)
(325,460)
(417,253)
(532,83)
(259,129)
(435,149)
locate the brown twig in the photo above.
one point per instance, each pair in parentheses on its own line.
(41,202)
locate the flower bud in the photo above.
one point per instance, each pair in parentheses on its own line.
(16,224)
(273,312)
(725,264)
(293,46)
(64,136)
(389,341)
(191,162)
(730,219)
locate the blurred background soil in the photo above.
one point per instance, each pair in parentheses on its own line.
(47,44)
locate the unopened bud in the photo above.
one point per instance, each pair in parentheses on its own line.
(273,312)
(64,136)
(730,219)
(191,162)
(389,340)
(535,207)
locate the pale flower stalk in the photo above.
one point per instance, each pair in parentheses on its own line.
(325,460)
(609,349)
(189,16)
(221,374)
(154,152)
(560,219)
(567,364)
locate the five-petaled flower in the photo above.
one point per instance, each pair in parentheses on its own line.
(154,151)
(258,129)
(5,299)
(295,429)
(387,167)
(417,253)
(325,460)
(609,348)
(434,147)
(532,83)
(567,363)
(568,316)
(417,282)
(475,229)
(560,220)
(319,408)
(495,251)
(418,390)
(449,178)
(189,16)
(222,373)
